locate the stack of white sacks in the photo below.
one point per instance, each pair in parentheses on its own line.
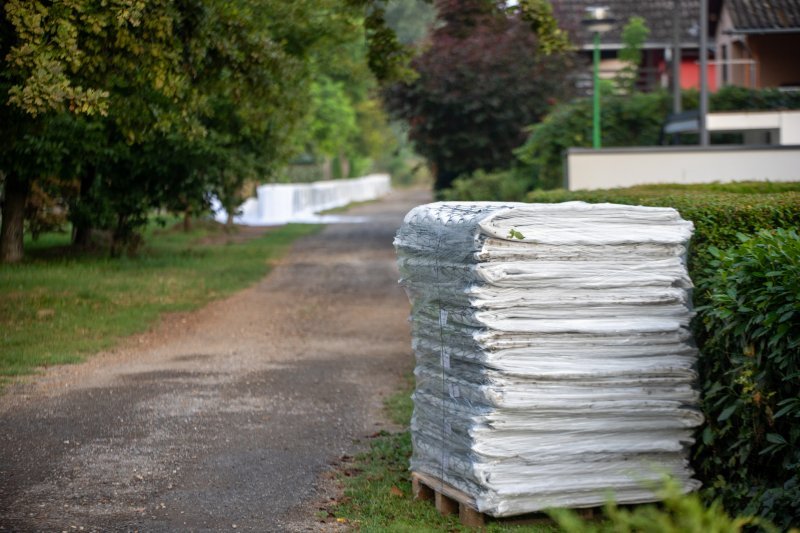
(554,360)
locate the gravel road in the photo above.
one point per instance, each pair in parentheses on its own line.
(225,419)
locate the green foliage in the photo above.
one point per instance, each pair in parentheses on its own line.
(387,58)
(334,119)
(630,120)
(677,513)
(539,14)
(55,307)
(750,449)
(168,101)
(483,78)
(501,186)
(732,98)
(45,210)
(346,128)
(514,234)
(634,35)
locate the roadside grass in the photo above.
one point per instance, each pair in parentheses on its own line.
(57,307)
(377,495)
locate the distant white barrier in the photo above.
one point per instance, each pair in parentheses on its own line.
(279,203)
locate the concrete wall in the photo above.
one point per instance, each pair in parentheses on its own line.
(785,124)
(280,203)
(587,169)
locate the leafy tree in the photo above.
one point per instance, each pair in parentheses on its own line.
(334,120)
(634,34)
(161,102)
(481,81)
(118,65)
(346,128)
(539,15)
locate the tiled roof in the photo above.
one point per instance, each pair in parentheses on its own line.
(657,14)
(761,15)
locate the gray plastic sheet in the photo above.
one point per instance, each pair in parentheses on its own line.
(554,360)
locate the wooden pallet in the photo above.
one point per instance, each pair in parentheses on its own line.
(450,500)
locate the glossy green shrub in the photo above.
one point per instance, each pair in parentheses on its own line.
(502,186)
(733,98)
(749,452)
(676,513)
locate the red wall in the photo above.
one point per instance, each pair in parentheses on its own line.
(690,75)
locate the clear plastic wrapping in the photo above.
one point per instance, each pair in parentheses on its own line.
(554,359)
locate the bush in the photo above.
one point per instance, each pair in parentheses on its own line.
(482,78)
(632,120)
(748,330)
(733,98)
(750,448)
(677,512)
(504,186)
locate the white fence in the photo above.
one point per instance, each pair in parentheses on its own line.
(587,169)
(279,203)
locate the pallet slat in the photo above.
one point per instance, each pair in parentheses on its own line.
(450,500)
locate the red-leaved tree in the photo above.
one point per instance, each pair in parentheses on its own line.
(482,80)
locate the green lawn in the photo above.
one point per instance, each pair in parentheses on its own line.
(57,307)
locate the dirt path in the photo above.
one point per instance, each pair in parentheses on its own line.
(223,419)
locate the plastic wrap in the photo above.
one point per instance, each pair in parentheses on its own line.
(554,359)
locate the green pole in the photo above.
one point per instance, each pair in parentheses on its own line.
(596,114)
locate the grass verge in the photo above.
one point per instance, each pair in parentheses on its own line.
(56,308)
(377,485)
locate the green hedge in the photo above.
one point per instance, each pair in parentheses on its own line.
(749,452)
(748,329)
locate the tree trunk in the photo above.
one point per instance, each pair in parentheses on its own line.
(82,231)
(13,220)
(119,237)
(187,221)
(82,236)
(344,165)
(327,168)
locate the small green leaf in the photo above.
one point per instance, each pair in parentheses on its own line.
(726,414)
(708,436)
(514,234)
(775,438)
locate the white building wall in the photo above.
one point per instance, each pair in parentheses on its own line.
(588,169)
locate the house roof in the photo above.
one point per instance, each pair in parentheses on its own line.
(657,14)
(764,16)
